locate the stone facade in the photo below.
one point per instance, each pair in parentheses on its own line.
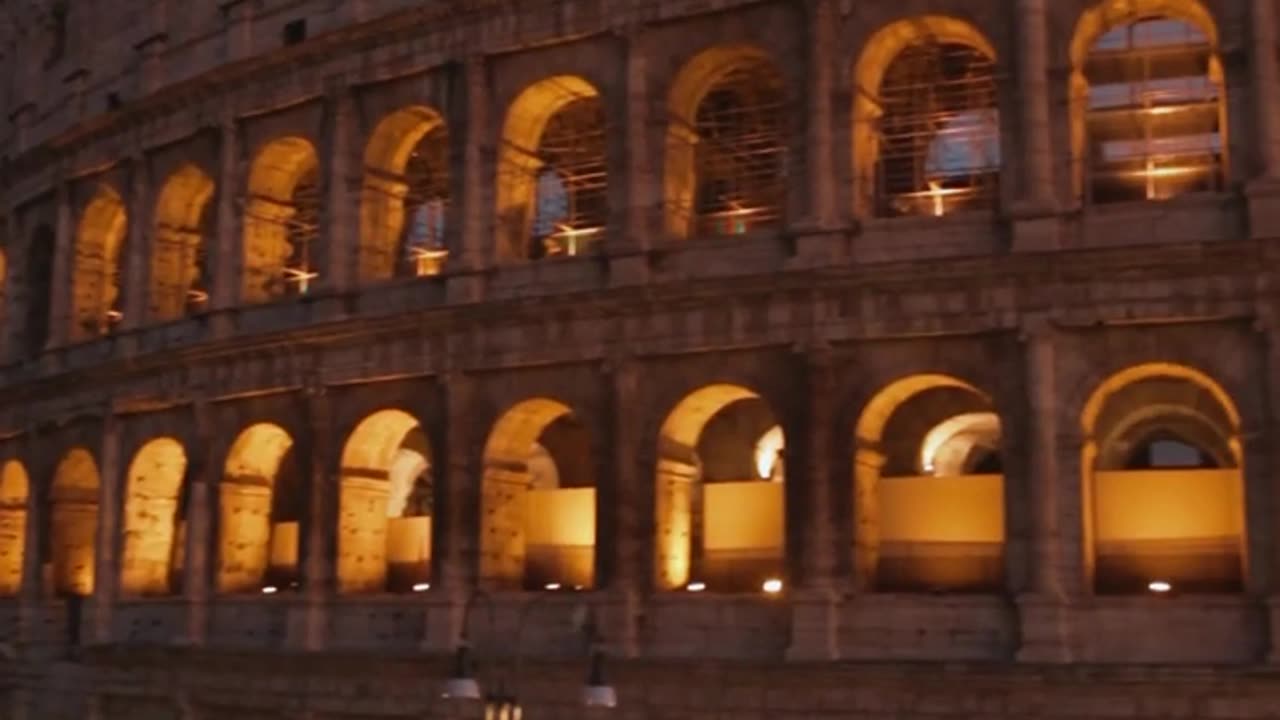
(179,433)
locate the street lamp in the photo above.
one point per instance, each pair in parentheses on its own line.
(463,685)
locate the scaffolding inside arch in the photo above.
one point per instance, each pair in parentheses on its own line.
(740,152)
(300,227)
(1155,115)
(568,208)
(426,203)
(938,132)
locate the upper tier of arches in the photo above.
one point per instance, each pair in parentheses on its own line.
(932,129)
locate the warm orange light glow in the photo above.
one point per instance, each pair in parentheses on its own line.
(571,241)
(1159,586)
(772,586)
(422,587)
(428,261)
(302,278)
(270,590)
(696,587)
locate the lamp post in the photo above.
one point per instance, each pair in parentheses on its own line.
(502,704)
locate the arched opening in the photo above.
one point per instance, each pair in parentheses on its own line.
(261,505)
(96,296)
(386,506)
(1148,101)
(39,289)
(929,488)
(927,136)
(154,526)
(281,221)
(14,490)
(726,149)
(180,281)
(74,523)
(538,500)
(720,493)
(405,200)
(552,179)
(1163,483)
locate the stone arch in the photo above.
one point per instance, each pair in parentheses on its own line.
(384,532)
(152,518)
(1108,15)
(879,54)
(391,192)
(717,525)
(280,219)
(74,522)
(929,487)
(179,282)
(556,125)
(1163,517)
(96,293)
(255,544)
(538,529)
(698,156)
(38,288)
(15,489)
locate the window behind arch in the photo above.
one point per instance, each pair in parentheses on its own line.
(570,202)
(741,152)
(39,286)
(1166,451)
(302,231)
(939,132)
(426,175)
(1155,118)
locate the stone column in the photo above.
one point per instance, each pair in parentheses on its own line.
(1034,228)
(1266,84)
(205,473)
(815,240)
(10,319)
(63,260)
(340,231)
(623,504)
(238,34)
(107,542)
(456,507)
(628,261)
(1263,192)
(320,548)
(135,273)
(815,606)
(226,248)
(32,591)
(469,257)
(1263,504)
(1055,503)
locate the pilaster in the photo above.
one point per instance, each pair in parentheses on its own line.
(63,259)
(1055,504)
(204,473)
(1263,193)
(628,250)
(467,261)
(108,538)
(623,503)
(226,253)
(457,500)
(815,602)
(319,551)
(136,275)
(1035,228)
(340,231)
(815,240)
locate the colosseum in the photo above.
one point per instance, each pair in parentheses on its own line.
(673,359)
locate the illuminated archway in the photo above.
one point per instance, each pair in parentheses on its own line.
(1162,481)
(74,522)
(153,524)
(929,488)
(179,270)
(719,516)
(1148,101)
(96,280)
(926,41)
(552,179)
(260,518)
(281,220)
(15,488)
(405,199)
(538,500)
(726,144)
(385,507)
